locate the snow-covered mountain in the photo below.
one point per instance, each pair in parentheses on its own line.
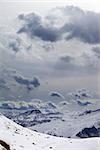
(76,117)
(15,137)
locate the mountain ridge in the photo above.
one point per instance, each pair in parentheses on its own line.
(21,138)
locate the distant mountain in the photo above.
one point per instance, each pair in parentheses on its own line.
(71,118)
(89,132)
(13,136)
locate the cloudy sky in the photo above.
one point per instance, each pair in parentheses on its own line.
(42,6)
(58,41)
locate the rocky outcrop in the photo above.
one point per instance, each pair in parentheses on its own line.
(89,132)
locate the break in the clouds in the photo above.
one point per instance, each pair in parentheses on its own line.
(79,24)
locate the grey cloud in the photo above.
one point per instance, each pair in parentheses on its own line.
(3,84)
(48,46)
(66,62)
(15,45)
(47,34)
(30,18)
(90,63)
(44,33)
(83,25)
(21,16)
(89,35)
(34,27)
(35,82)
(56,94)
(71,10)
(96,50)
(70,65)
(66,59)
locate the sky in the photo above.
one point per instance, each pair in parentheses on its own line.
(61,39)
(34,5)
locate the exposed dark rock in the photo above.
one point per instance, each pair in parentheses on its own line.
(89,112)
(89,132)
(83,103)
(5,145)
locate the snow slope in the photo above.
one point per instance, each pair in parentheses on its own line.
(20,138)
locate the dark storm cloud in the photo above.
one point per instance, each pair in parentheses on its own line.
(3,84)
(83,25)
(34,27)
(86,28)
(35,82)
(96,50)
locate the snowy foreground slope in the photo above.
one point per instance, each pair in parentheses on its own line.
(20,138)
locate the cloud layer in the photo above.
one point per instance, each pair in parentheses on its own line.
(33,27)
(83,25)
(61,48)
